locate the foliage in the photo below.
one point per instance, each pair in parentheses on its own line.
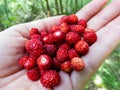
(18,11)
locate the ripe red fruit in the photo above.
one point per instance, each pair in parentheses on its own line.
(77,63)
(73,19)
(43,33)
(48,39)
(65,46)
(30,63)
(64,19)
(64,27)
(62,54)
(81,47)
(33,74)
(77,28)
(34,31)
(22,60)
(36,36)
(90,37)
(51,49)
(72,37)
(72,53)
(54,28)
(44,62)
(82,22)
(58,36)
(50,79)
(33,44)
(66,66)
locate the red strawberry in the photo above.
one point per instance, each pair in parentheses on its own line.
(43,33)
(51,49)
(22,60)
(81,47)
(56,64)
(30,63)
(36,36)
(82,22)
(72,53)
(62,54)
(77,63)
(77,28)
(65,46)
(58,36)
(48,39)
(64,19)
(90,37)
(64,27)
(44,62)
(54,28)
(73,19)
(66,66)
(72,37)
(34,31)
(33,44)
(33,74)
(50,79)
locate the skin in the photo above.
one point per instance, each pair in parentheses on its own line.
(105,21)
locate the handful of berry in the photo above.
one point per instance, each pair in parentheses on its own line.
(58,49)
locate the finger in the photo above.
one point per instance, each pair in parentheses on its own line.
(42,24)
(65,82)
(108,39)
(91,9)
(105,16)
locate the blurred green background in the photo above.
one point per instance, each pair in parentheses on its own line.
(18,11)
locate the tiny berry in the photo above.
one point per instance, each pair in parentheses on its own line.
(36,36)
(72,53)
(65,46)
(66,66)
(77,63)
(56,64)
(82,22)
(44,62)
(81,47)
(54,28)
(34,31)
(48,39)
(72,37)
(43,33)
(64,27)
(22,60)
(33,74)
(50,79)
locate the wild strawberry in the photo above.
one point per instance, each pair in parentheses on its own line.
(72,37)
(54,28)
(90,37)
(44,62)
(77,28)
(22,60)
(33,74)
(33,44)
(82,22)
(34,31)
(62,54)
(43,33)
(30,63)
(36,36)
(50,79)
(65,19)
(66,66)
(72,53)
(58,36)
(77,63)
(51,49)
(56,64)
(81,47)
(65,46)
(73,19)
(64,27)
(49,39)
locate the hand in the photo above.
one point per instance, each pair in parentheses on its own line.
(105,21)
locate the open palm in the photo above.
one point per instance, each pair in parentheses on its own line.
(105,21)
